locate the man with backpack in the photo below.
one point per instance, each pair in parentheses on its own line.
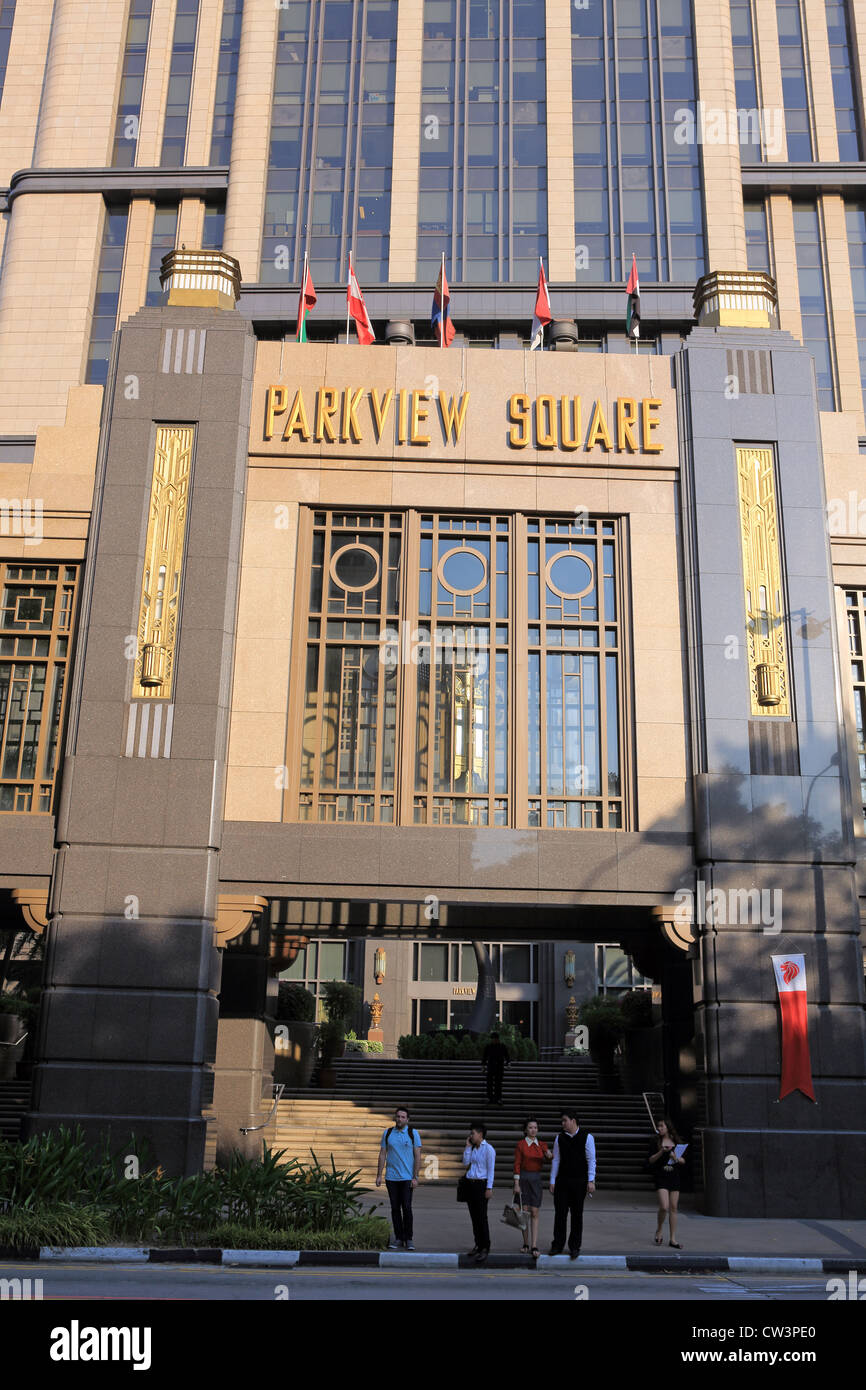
(401,1152)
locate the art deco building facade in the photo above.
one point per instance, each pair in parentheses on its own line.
(314,643)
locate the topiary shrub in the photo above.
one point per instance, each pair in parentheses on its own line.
(295,1004)
(468,1050)
(637,1009)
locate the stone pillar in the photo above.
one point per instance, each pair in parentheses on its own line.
(128,1032)
(560,143)
(79,93)
(773,811)
(723,186)
(406,162)
(251,133)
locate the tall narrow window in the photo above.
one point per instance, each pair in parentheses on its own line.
(841,63)
(214,226)
(811,279)
(855,218)
(483,175)
(746,82)
(7,19)
(412,643)
(107,294)
(36,625)
(332,130)
(227,82)
(757,237)
(179,83)
(637,169)
(163,240)
(795,85)
(131,84)
(855,602)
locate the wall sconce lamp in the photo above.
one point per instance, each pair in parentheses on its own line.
(569,966)
(379,962)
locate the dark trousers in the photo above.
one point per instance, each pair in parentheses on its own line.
(477,1204)
(401,1208)
(494,1083)
(568,1200)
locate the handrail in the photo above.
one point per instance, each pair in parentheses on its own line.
(279,1087)
(14,1044)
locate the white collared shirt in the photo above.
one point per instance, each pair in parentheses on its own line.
(590,1153)
(481,1161)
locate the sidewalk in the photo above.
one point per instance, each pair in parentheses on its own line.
(623,1223)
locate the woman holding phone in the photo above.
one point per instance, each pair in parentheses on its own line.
(665,1166)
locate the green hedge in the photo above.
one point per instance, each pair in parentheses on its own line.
(445,1047)
(364,1233)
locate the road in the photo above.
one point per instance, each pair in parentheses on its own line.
(214,1282)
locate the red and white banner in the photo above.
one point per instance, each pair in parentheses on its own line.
(796,1066)
(357,309)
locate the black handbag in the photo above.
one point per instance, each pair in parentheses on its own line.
(463,1189)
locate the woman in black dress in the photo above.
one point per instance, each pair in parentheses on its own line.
(665,1168)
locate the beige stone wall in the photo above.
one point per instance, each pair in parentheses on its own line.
(190,223)
(82,76)
(769,73)
(58,484)
(136,260)
(780,217)
(485,474)
(46,303)
(204,78)
(407,144)
(251,136)
(560,143)
(155,84)
(714,61)
(843,326)
(22,88)
(823,109)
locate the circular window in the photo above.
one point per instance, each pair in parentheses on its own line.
(355,567)
(569,574)
(463,571)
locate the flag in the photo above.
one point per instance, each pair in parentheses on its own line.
(358,309)
(542,315)
(790,974)
(441,313)
(305,303)
(632,313)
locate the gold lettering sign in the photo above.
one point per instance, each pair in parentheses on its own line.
(163,562)
(769,682)
(355,414)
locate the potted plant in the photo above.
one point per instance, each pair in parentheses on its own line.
(294,1035)
(341,1001)
(602,1015)
(642,1062)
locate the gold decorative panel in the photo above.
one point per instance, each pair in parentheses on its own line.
(769,681)
(163,562)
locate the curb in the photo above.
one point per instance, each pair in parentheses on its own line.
(419,1259)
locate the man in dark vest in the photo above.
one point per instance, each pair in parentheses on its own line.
(572,1176)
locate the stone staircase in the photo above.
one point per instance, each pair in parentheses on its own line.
(443,1097)
(14,1100)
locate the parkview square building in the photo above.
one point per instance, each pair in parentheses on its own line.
(313,650)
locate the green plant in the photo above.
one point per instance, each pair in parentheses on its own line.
(362,1233)
(468,1050)
(602,1015)
(18,1004)
(331,1038)
(636,1006)
(295,1004)
(341,1000)
(62,1224)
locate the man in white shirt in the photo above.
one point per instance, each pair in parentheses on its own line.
(480,1158)
(572,1176)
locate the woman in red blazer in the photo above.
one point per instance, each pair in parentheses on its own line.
(529,1156)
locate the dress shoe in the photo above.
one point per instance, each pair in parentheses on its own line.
(555,1250)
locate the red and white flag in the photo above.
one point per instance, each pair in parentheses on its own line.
(358,309)
(796,1067)
(542,314)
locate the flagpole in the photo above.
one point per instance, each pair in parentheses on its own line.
(442,303)
(347,300)
(303,306)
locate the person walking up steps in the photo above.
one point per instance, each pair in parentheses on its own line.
(400,1150)
(494,1060)
(572,1177)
